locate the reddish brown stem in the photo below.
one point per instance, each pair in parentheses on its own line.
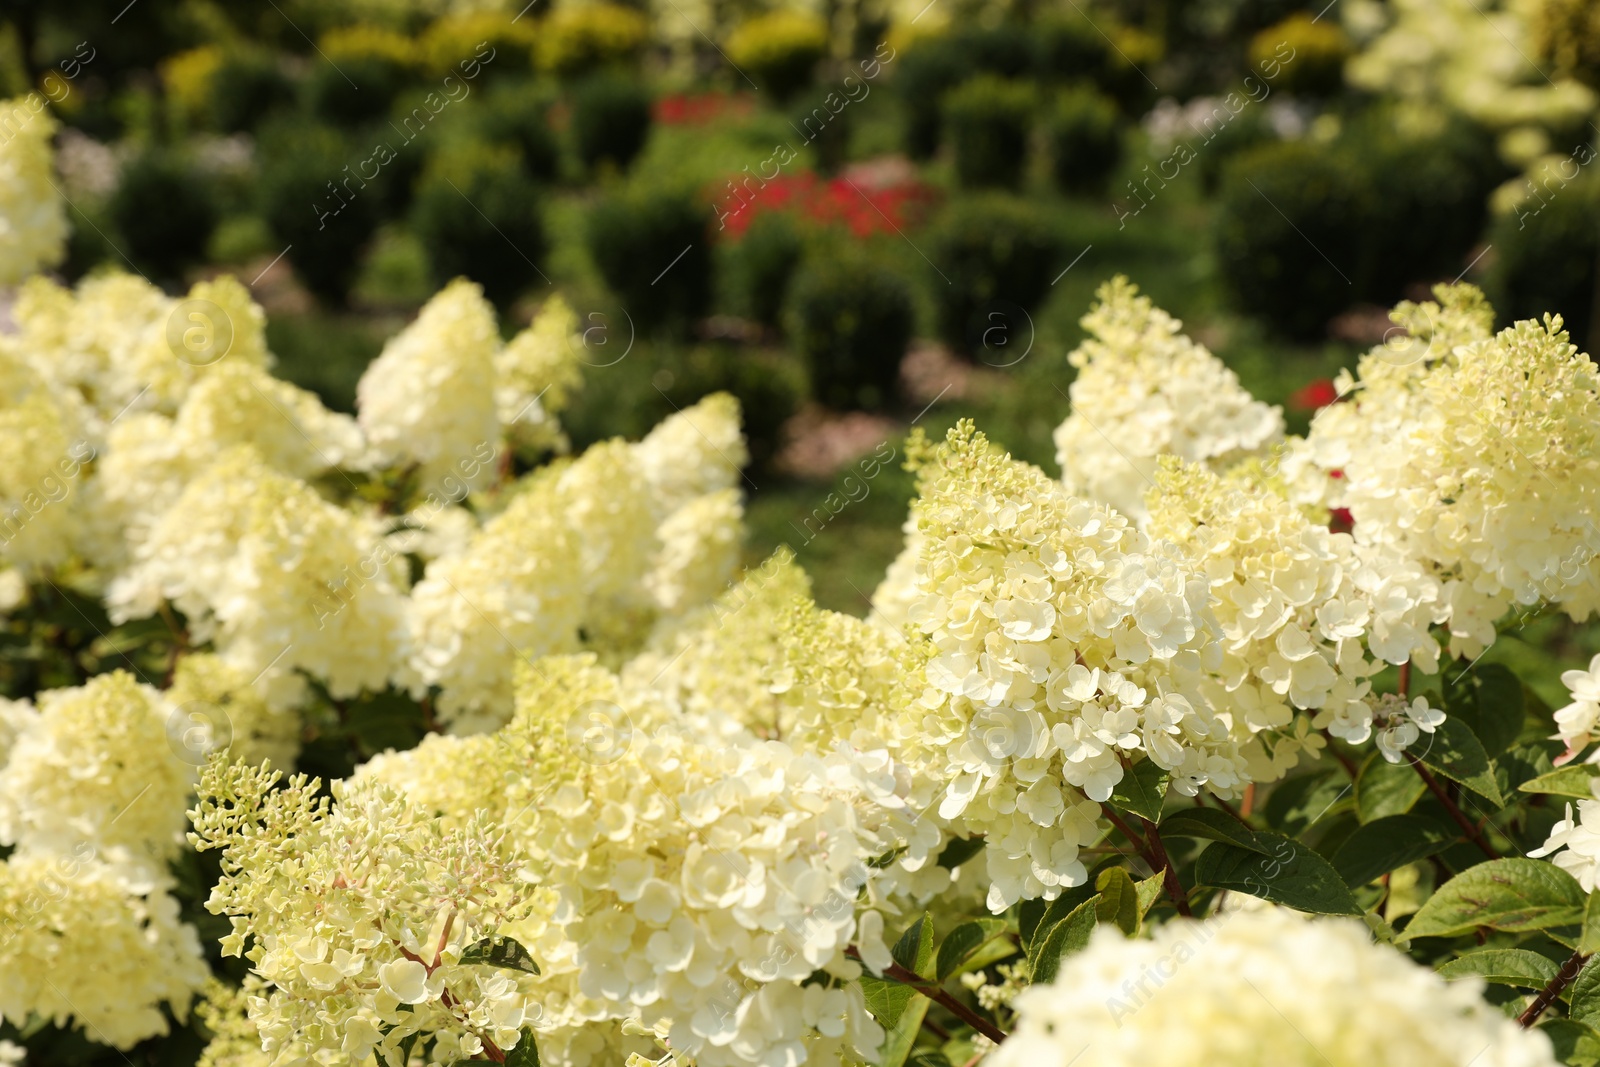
(1344,761)
(1443,797)
(1405,678)
(1247,802)
(1547,996)
(922,985)
(1169,874)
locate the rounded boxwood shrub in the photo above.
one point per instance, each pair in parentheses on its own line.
(998,258)
(1309,54)
(477,214)
(1547,252)
(653,248)
(514,113)
(324,225)
(358,73)
(1289,224)
(780,50)
(164,211)
(766,258)
(1069,49)
(1085,141)
(851,320)
(988,121)
(498,44)
(928,70)
(610,120)
(580,40)
(248,86)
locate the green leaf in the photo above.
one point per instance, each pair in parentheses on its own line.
(1387,843)
(1575,1043)
(902,1035)
(1149,891)
(1119,900)
(1064,938)
(1030,915)
(1516,895)
(503,952)
(1488,700)
(1209,824)
(1296,804)
(526,1051)
(1585,994)
(1281,870)
(1069,899)
(964,941)
(888,999)
(1518,967)
(1571,781)
(927,1057)
(1589,937)
(1455,752)
(1385,789)
(1142,791)
(959,850)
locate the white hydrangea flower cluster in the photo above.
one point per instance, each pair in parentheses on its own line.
(536,373)
(589,552)
(1061,645)
(91,798)
(1258,987)
(43,508)
(1477,455)
(1576,721)
(33,217)
(700,881)
(360,912)
(1295,602)
(1144,390)
(275,576)
(1575,843)
(216,706)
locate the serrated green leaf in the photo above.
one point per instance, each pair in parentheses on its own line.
(1030,913)
(927,1057)
(1298,803)
(1385,789)
(1063,939)
(504,952)
(1571,781)
(1208,824)
(1282,870)
(1386,844)
(1585,994)
(959,850)
(1142,791)
(1589,936)
(914,950)
(1119,900)
(1455,752)
(526,1051)
(899,1038)
(1518,967)
(888,999)
(1515,895)
(1488,699)
(963,942)
(1149,891)
(1575,1043)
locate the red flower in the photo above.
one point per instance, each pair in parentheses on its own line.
(1318,394)
(1340,520)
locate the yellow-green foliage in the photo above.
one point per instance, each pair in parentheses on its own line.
(1567,32)
(454,38)
(369,42)
(576,40)
(779,50)
(1309,55)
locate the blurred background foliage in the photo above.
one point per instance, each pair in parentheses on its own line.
(853,214)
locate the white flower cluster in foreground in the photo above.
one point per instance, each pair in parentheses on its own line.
(1259,988)
(33,217)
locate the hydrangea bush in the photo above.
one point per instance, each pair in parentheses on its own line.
(1206,751)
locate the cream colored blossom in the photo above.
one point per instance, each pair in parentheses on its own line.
(215,707)
(33,216)
(1145,390)
(535,375)
(1575,843)
(1576,721)
(1257,988)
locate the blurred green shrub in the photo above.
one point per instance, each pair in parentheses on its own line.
(1069,49)
(851,320)
(454,43)
(779,50)
(1085,140)
(477,214)
(514,113)
(764,263)
(164,211)
(610,120)
(358,73)
(1547,252)
(770,387)
(928,70)
(580,40)
(988,120)
(1567,34)
(248,87)
(324,225)
(997,257)
(1307,53)
(652,246)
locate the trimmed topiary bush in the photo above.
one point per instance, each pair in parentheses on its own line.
(998,259)
(500,47)
(928,71)
(164,211)
(988,121)
(1085,141)
(1547,253)
(581,40)
(779,50)
(851,320)
(247,88)
(766,258)
(610,120)
(1308,54)
(514,113)
(323,225)
(653,248)
(477,214)
(358,73)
